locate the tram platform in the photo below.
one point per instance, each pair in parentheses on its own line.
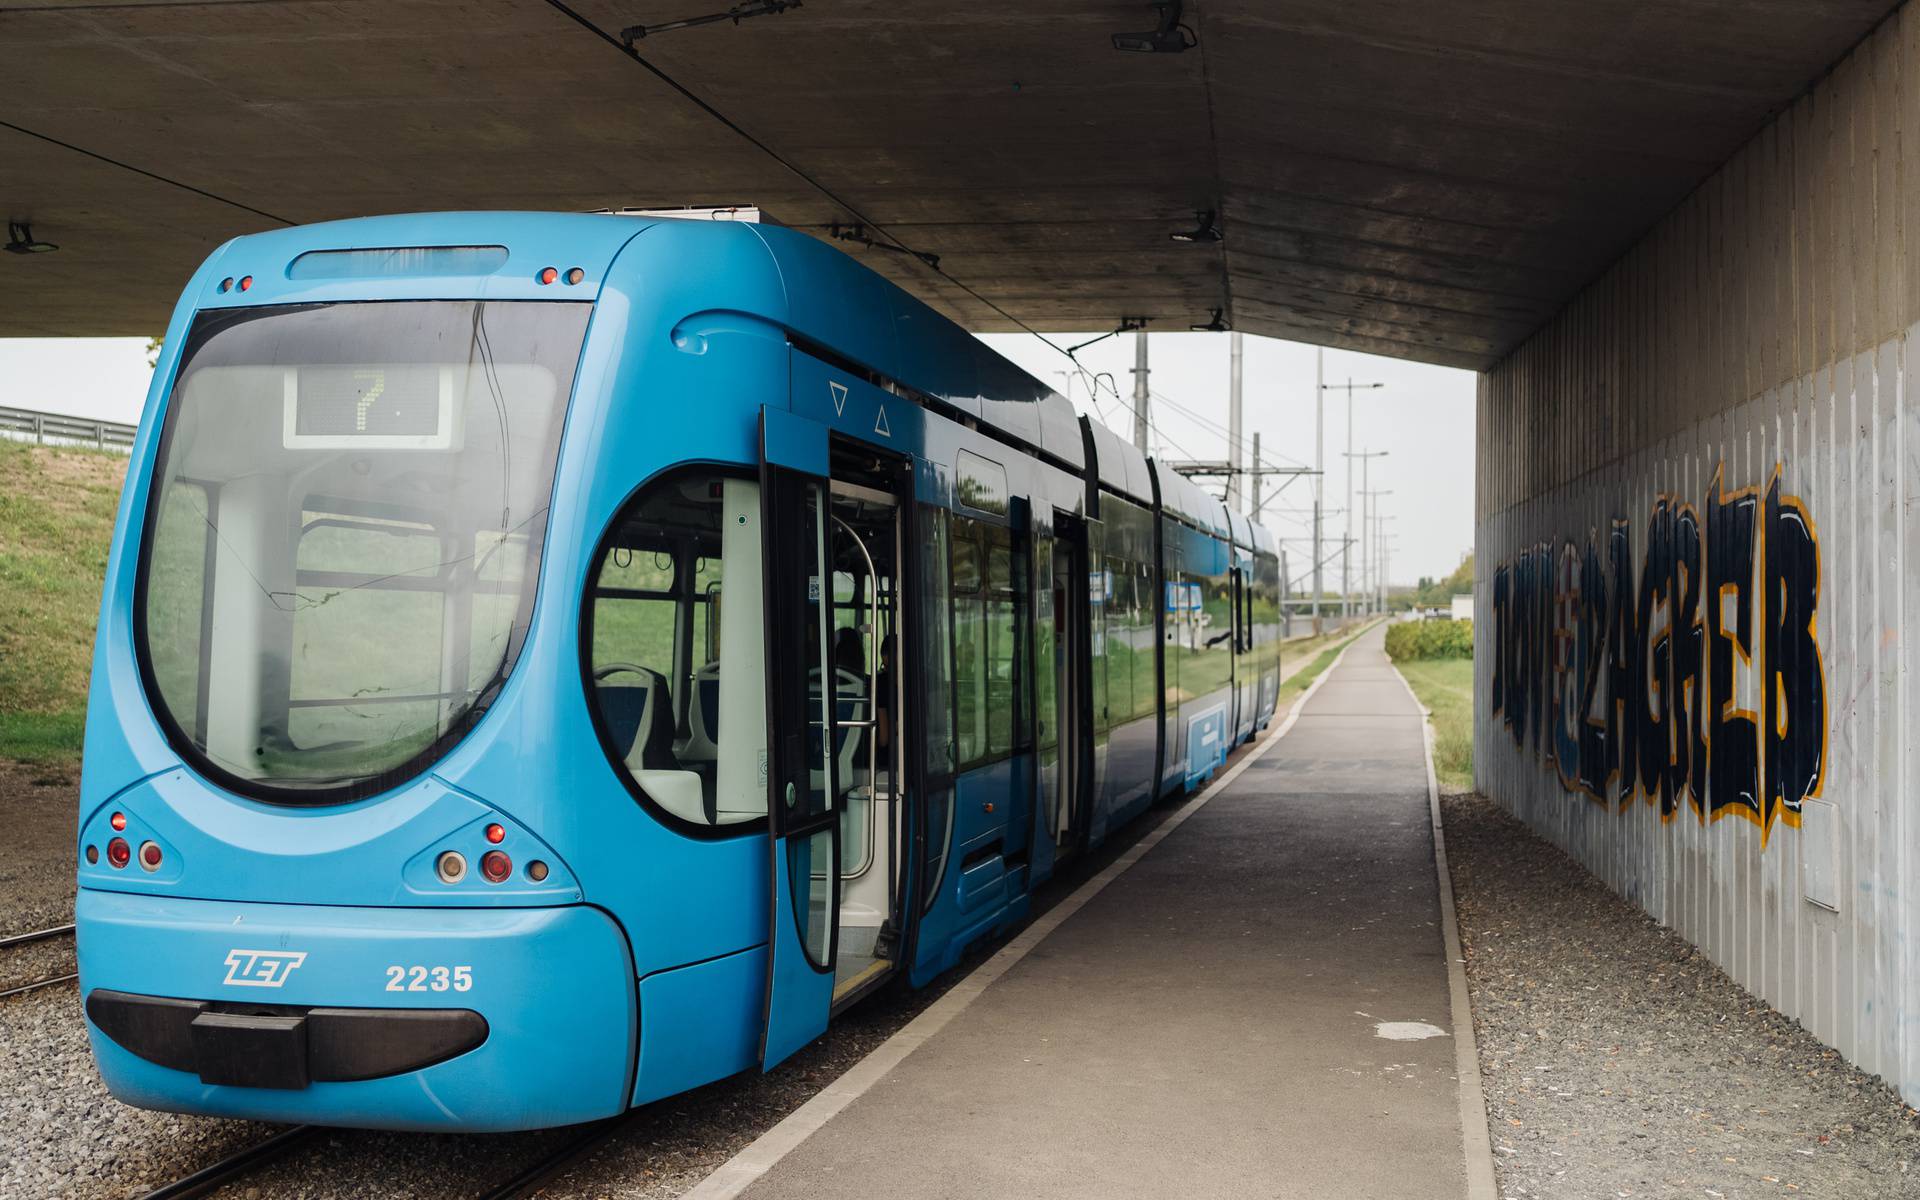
(1225,1017)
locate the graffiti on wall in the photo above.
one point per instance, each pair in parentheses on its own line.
(1695,682)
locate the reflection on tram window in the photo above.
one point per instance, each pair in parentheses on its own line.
(677,656)
(988,604)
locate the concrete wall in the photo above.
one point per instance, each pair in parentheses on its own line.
(1698,529)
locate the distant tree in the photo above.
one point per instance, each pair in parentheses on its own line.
(153,350)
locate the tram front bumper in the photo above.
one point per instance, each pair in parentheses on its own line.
(398,1018)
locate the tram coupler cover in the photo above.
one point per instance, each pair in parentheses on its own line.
(244,1050)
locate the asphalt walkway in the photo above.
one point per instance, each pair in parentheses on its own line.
(1225,1018)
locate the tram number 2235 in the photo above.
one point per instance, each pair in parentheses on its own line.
(429,979)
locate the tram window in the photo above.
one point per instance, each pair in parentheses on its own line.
(360,671)
(969,643)
(346,520)
(676,653)
(1003,644)
(179,605)
(989,606)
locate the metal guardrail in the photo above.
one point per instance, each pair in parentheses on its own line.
(57,429)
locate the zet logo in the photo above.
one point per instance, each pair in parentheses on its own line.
(262,968)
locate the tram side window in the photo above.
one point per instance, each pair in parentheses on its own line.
(179,603)
(676,652)
(988,609)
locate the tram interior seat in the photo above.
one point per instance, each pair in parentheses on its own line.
(851,693)
(700,749)
(641,715)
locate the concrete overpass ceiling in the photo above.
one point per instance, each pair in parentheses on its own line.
(1431,181)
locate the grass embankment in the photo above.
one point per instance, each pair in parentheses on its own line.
(56,519)
(1445,685)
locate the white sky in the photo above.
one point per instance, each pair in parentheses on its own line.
(1423,418)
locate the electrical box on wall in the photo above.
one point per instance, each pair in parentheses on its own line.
(1819,861)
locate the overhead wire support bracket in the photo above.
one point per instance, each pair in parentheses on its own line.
(858,235)
(736,14)
(1126,325)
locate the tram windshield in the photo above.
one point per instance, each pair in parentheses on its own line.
(347,516)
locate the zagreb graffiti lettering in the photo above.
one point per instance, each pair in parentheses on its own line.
(1698,682)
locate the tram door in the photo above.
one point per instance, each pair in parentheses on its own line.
(1061,645)
(864,549)
(802,772)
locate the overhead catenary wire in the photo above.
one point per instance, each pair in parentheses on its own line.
(929,261)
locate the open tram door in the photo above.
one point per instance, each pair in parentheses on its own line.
(838,811)
(803,824)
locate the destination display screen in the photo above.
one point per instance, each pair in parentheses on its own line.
(402,406)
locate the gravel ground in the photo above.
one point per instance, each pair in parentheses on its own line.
(37,809)
(62,1135)
(1618,1061)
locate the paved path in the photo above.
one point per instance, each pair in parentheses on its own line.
(1206,1025)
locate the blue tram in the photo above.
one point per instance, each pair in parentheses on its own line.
(549,662)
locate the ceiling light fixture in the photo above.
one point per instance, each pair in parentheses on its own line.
(1169,37)
(1206,228)
(20,240)
(736,14)
(1215,324)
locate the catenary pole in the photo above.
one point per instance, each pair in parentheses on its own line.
(1319,469)
(1140,391)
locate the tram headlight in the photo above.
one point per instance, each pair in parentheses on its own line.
(451,867)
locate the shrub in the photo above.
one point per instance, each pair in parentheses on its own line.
(1410,640)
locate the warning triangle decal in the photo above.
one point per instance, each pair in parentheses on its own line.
(839,391)
(880,423)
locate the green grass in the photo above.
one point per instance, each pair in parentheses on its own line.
(1445,685)
(44,739)
(56,520)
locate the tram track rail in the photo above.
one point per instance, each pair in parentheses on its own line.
(35,937)
(583,1145)
(241,1162)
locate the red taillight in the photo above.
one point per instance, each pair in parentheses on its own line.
(496,866)
(118,852)
(496,834)
(118,820)
(150,855)
(548,274)
(246,281)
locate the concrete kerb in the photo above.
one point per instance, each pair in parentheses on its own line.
(1475,1138)
(738,1173)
